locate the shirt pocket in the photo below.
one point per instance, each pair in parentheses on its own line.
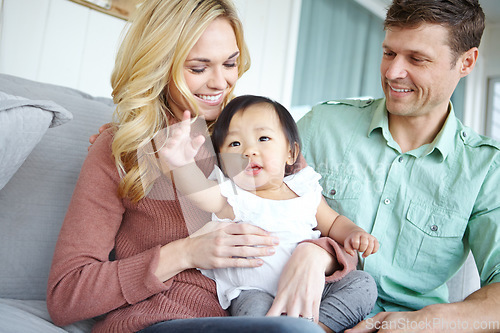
(431,244)
(341,192)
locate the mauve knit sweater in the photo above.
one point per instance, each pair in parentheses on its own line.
(84,283)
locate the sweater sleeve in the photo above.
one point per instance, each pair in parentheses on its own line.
(83,282)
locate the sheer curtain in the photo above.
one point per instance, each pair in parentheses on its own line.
(338,54)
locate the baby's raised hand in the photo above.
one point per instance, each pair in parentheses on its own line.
(180,148)
(361,241)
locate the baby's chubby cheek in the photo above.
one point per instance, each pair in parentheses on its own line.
(233,164)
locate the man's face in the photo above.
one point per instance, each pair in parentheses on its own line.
(418,77)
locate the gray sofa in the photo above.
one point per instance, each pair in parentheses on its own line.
(44,131)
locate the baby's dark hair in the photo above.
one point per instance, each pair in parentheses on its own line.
(240,103)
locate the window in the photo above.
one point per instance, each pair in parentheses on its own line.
(493,117)
(338,53)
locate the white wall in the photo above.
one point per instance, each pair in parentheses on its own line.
(60,42)
(271,32)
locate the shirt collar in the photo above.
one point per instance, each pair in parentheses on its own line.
(380,119)
(443,143)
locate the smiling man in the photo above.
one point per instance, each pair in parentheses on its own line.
(407,170)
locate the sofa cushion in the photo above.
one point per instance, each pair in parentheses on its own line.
(33,317)
(34,202)
(23,122)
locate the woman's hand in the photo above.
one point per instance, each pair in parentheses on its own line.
(228,244)
(216,245)
(302,282)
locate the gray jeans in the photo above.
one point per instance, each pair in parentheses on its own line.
(344,303)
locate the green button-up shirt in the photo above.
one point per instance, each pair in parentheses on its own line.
(427,207)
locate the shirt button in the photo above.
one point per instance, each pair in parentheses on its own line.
(400,159)
(387,201)
(333,192)
(464,134)
(434,227)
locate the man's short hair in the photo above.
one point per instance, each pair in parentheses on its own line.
(464,20)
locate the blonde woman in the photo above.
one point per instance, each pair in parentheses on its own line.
(177,55)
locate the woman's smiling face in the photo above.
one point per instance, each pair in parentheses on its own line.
(210,71)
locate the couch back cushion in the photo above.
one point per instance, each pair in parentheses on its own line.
(23,123)
(34,201)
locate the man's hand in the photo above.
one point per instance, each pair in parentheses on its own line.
(479,312)
(385,322)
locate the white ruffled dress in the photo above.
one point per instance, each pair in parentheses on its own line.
(291,220)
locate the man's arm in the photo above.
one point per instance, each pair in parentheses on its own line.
(480,312)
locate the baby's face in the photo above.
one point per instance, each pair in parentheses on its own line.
(256,150)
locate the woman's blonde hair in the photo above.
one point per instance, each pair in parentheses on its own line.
(153,52)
